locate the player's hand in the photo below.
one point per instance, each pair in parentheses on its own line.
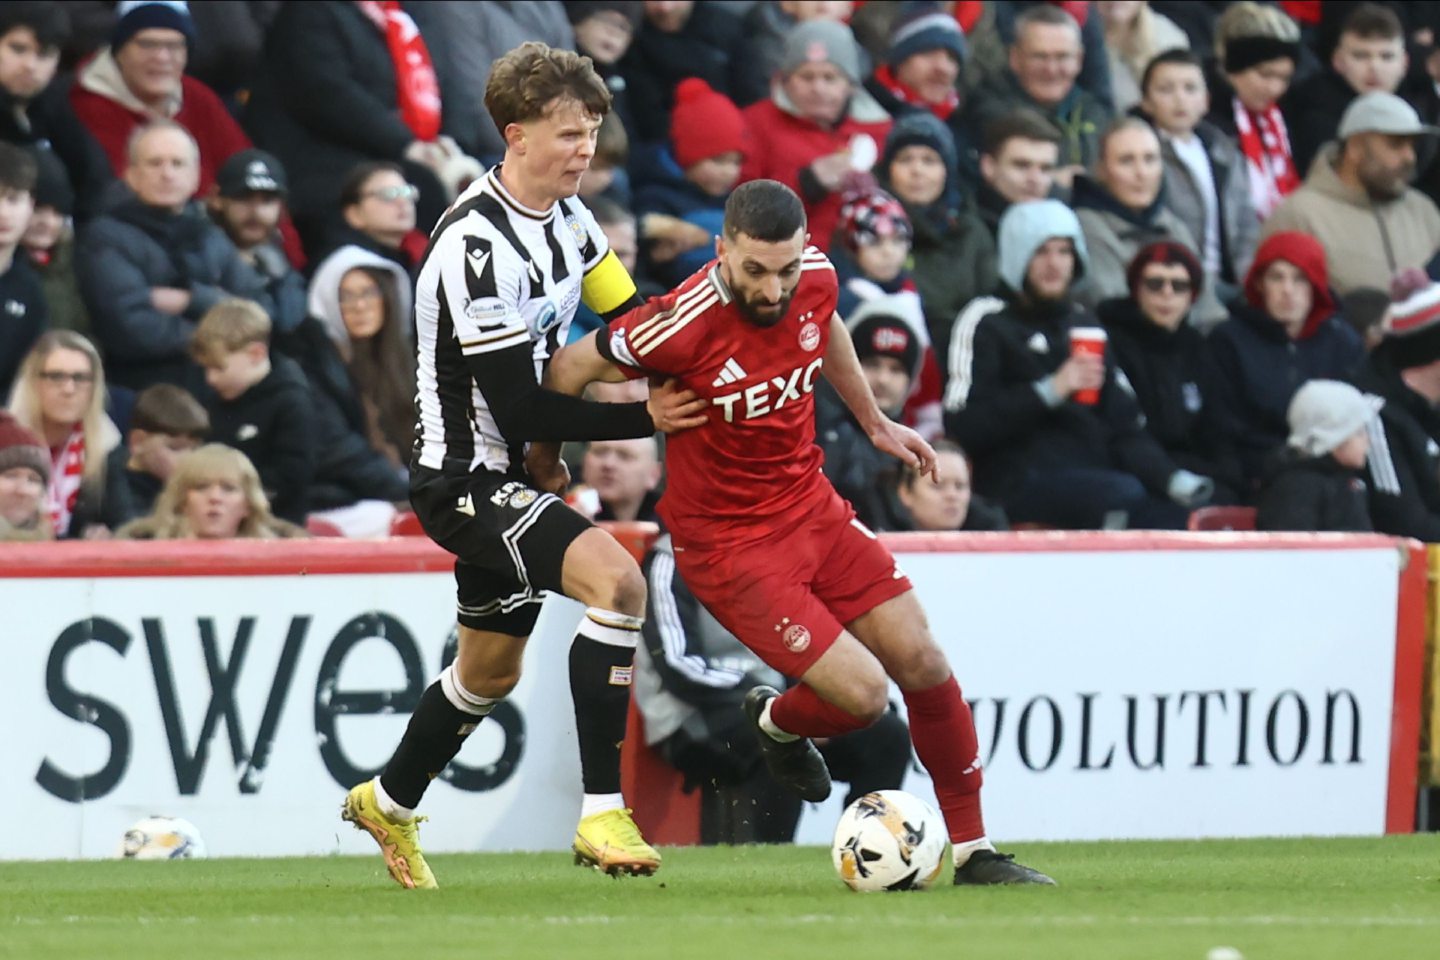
(674,408)
(549,473)
(908,446)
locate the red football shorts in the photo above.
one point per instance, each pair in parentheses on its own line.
(787,596)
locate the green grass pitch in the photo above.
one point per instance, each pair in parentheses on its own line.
(1357,899)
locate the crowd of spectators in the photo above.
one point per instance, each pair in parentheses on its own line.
(209,215)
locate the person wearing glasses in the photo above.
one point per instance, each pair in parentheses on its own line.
(60,397)
(1162,355)
(378,210)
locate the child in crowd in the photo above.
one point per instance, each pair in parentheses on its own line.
(214,494)
(24,476)
(23,312)
(49,242)
(263,406)
(1315,483)
(682,192)
(165,423)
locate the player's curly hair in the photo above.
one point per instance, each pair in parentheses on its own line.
(528,81)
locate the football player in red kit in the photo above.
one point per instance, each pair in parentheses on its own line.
(763,539)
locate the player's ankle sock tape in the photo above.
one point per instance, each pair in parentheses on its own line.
(436,731)
(801,711)
(943,732)
(607,626)
(600,675)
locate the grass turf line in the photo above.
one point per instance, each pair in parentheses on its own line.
(1272,899)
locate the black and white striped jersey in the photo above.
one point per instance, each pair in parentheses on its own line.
(498,275)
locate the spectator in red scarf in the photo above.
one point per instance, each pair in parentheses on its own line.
(820,130)
(1258,49)
(60,397)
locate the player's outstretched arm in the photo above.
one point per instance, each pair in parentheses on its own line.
(842,369)
(580,364)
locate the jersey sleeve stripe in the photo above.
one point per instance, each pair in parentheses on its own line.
(499,341)
(654,325)
(683,321)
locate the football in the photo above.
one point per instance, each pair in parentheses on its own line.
(889,840)
(161,838)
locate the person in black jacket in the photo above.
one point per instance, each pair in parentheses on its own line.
(1287,333)
(1162,357)
(1405,443)
(679,40)
(34,110)
(1012,402)
(154,263)
(24,313)
(1314,483)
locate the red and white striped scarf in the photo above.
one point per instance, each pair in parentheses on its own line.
(1265,142)
(66,472)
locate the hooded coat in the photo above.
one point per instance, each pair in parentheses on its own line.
(1367,241)
(1253,368)
(1003,352)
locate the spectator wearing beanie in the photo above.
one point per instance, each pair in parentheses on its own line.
(1404,463)
(141,77)
(679,40)
(1162,355)
(766,26)
(604,30)
(1314,484)
(49,244)
(1286,333)
(24,475)
(681,197)
(819,133)
(953,253)
(890,340)
(921,72)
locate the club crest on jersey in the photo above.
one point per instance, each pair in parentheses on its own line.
(518,495)
(577,229)
(810,335)
(796,638)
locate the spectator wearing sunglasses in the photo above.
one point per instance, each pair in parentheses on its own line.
(378,207)
(1162,355)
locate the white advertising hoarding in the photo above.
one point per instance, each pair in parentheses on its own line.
(1117,693)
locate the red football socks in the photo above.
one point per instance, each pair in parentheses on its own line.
(800,711)
(943,731)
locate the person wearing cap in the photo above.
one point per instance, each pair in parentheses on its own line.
(1286,332)
(140,76)
(921,72)
(679,39)
(49,244)
(1404,461)
(1358,201)
(24,475)
(34,110)
(819,132)
(1011,401)
(953,255)
(1044,67)
(1162,356)
(1258,48)
(248,203)
(1314,483)
(687,183)
(891,343)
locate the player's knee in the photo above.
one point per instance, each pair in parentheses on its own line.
(626,591)
(493,684)
(920,666)
(869,698)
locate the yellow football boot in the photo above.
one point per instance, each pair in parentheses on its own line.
(610,842)
(399,841)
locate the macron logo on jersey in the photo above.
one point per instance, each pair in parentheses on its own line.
(762,398)
(732,372)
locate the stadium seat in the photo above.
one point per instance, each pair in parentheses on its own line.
(320,527)
(665,813)
(1223,518)
(406,524)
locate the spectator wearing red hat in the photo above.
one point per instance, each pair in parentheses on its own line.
(681,199)
(24,474)
(1288,332)
(1162,355)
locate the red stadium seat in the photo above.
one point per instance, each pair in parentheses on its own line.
(1223,518)
(406,524)
(320,527)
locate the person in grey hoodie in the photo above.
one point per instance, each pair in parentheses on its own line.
(1358,202)
(1016,396)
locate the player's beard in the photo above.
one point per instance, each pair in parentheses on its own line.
(771,317)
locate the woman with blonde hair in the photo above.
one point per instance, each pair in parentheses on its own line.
(60,396)
(214,494)
(1134,34)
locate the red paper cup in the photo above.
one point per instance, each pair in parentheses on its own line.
(1091,341)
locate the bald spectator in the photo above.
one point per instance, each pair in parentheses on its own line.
(1358,201)
(1044,66)
(34,110)
(141,77)
(150,267)
(819,129)
(625,476)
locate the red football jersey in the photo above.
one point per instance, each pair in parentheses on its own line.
(755,468)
